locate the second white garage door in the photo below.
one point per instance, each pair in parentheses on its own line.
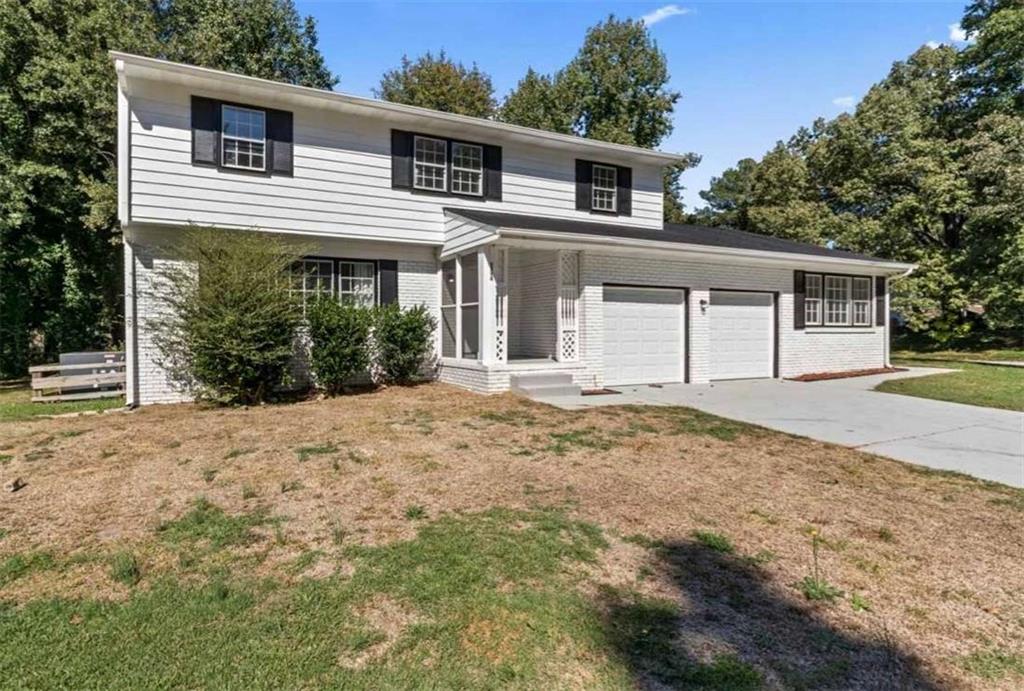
(643,336)
(742,335)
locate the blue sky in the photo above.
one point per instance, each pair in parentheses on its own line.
(750,72)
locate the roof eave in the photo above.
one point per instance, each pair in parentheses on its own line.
(289,92)
(706,250)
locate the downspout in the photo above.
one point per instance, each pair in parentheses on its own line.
(888,320)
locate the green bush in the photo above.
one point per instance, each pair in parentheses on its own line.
(402,339)
(339,342)
(230,320)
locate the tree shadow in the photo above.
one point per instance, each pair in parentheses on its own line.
(754,633)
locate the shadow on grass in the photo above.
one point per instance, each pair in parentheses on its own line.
(764,636)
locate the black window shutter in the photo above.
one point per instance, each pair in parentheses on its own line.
(492,172)
(584,183)
(799,293)
(624,191)
(401,159)
(279,138)
(387,276)
(880,315)
(205,131)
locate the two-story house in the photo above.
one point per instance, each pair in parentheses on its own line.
(538,253)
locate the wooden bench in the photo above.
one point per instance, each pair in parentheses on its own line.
(79,376)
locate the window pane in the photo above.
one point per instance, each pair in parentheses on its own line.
(243,123)
(448,332)
(448,282)
(470,287)
(812,311)
(467,156)
(470,332)
(813,286)
(466,182)
(604,177)
(861,289)
(357,283)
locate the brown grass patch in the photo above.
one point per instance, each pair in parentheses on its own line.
(658,473)
(824,376)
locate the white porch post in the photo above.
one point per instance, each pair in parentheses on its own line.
(487,288)
(567,306)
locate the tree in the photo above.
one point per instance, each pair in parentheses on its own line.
(993,65)
(729,196)
(60,265)
(535,102)
(441,84)
(616,87)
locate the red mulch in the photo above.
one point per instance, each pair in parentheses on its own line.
(822,376)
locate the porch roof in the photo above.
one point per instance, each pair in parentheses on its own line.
(490,226)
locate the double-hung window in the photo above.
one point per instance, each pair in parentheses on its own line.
(357,283)
(431,164)
(812,299)
(837,300)
(243,138)
(604,188)
(312,278)
(861,301)
(467,168)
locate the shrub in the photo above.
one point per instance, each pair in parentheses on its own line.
(402,339)
(229,319)
(340,339)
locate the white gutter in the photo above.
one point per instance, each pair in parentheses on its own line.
(295,92)
(706,250)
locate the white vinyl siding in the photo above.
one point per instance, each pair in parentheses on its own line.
(604,188)
(341,186)
(243,140)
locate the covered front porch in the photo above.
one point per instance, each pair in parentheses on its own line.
(510,314)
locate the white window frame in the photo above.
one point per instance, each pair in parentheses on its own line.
(340,280)
(846,286)
(461,169)
(443,166)
(865,304)
(614,189)
(224,137)
(305,292)
(813,304)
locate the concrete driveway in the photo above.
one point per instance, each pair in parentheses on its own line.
(983,442)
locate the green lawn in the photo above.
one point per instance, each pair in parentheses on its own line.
(983,385)
(480,601)
(961,355)
(16,404)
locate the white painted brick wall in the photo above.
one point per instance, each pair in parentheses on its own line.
(417,285)
(532,303)
(800,352)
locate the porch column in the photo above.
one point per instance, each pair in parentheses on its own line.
(567,306)
(488,291)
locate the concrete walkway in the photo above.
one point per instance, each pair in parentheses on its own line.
(983,442)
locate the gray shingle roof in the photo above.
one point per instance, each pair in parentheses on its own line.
(683,234)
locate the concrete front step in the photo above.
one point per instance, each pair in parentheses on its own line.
(542,385)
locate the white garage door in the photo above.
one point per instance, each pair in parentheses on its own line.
(643,336)
(742,335)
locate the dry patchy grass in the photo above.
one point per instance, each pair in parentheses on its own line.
(929,563)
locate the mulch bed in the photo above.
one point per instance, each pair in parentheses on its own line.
(824,376)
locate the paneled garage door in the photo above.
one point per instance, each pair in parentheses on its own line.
(643,336)
(742,335)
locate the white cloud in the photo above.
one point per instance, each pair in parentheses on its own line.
(652,18)
(844,101)
(933,44)
(957,33)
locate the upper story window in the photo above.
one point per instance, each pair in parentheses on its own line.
(243,138)
(604,188)
(357,283)
(467,168)
(431,164)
